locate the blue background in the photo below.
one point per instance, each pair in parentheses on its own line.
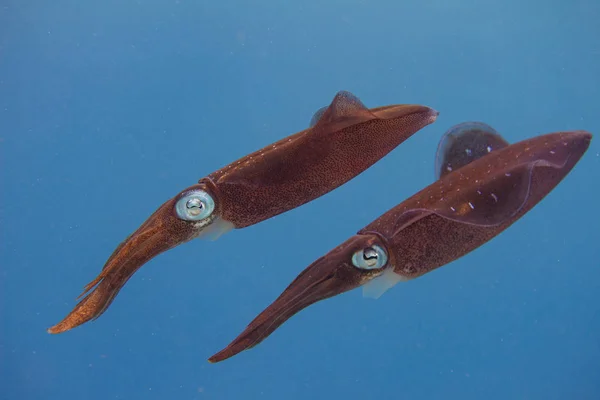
(109,108)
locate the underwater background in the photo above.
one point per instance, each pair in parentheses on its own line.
(107,109)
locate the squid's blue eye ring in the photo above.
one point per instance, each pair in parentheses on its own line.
(195,206)
(372,257)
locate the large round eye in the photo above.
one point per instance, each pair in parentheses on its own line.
(373,257)
(195,206)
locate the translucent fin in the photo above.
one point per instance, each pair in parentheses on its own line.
(345,110)
(493,189)
(217,228)
(317,116)
(498,197)
(465,143)
(379,285)
(491,202)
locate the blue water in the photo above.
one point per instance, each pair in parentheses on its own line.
(109,108)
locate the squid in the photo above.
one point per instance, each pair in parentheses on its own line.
(484,185)
(343,140)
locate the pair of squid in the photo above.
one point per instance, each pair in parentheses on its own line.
(484,184)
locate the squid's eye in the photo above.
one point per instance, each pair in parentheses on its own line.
(373,257)
(195,206)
